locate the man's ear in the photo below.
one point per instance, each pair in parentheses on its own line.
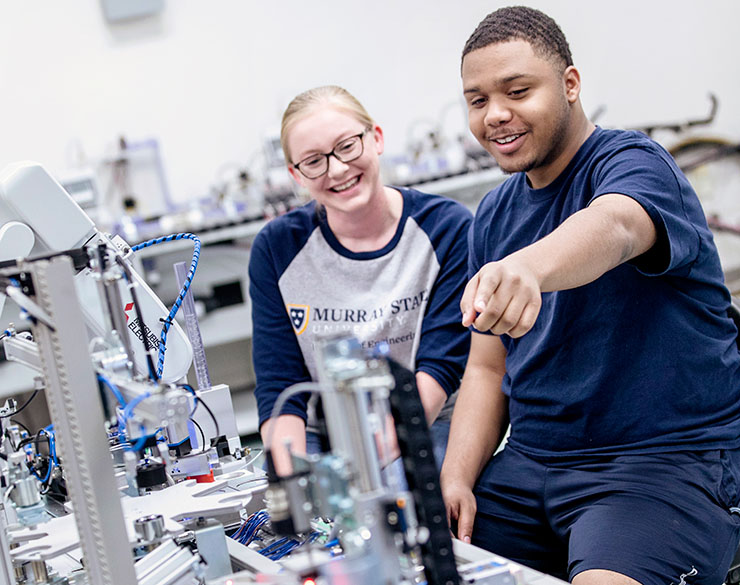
(572,82)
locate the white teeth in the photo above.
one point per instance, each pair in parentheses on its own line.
(507,139)
(346,185)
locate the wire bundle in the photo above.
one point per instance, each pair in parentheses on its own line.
(278,549)
(247,532)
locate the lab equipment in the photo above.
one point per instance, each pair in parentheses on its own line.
(31,197)
(118,491)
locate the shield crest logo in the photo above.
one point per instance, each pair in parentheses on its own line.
(299,317)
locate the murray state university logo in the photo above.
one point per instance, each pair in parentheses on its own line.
(299,317)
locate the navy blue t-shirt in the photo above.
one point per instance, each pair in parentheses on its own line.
(643,358)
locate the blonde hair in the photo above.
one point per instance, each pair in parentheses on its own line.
(327,95)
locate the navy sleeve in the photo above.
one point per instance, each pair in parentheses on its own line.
(277,358)
(445,343)
(644,175)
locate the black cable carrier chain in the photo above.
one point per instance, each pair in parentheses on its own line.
(422,477)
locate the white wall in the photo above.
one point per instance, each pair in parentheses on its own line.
(209,79)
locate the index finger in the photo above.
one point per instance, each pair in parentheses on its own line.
(489,278)
(479,291)
(466,302)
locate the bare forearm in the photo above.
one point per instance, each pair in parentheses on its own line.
(432,395)
(480,418)
(589,243)
(478,426)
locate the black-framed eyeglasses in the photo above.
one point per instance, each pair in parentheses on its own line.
(349,149)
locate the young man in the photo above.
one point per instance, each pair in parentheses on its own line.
(601,333)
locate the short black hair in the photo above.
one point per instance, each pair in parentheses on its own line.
(526,24)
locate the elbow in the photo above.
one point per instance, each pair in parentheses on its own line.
(632,229)
(637,239)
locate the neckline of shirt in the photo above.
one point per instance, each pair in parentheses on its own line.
(337,246)
(555,187)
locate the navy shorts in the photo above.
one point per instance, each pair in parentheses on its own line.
(658,518)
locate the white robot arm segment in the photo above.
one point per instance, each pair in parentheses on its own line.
(37,215)
(30,195)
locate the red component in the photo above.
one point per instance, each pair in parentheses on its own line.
(206,478)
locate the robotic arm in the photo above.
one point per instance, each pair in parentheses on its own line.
(16,241)
(38,216)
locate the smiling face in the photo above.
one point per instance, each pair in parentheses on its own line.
(521,109)
(345,187)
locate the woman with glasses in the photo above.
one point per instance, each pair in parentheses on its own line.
(384,264)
